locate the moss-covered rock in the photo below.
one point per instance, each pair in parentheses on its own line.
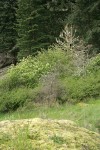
(43,134)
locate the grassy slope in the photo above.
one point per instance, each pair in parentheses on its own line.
(85,114)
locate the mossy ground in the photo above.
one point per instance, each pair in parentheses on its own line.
(46,134)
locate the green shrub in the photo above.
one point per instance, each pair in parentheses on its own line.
(31,69)
(81,88)
(87,85)
(26,73)
(93,65)
(12,100)
(58,59)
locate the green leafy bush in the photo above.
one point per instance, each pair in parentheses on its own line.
(12,100)
(31,69)
(94,64)
(26,73)
(81,88)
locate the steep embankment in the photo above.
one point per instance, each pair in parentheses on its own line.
(43,134)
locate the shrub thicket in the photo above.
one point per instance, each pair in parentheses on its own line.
(49,77)
(28,74)
(31,69)
(82,88)
(11,100)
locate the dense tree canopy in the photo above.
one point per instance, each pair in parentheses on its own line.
(40,22)
(7,25)
(38,26)
(85,16)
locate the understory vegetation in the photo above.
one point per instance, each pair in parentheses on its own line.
(49,78)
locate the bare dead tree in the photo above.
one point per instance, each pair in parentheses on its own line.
(74,46)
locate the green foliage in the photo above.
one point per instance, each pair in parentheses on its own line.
(12,100)
(85,17)
(58,59)
(29,73)
(49,77)
(8,32)
(37,26)
(94,65)
(82,88)
(26,73)
(31,69)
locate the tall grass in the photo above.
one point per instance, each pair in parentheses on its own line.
(84,114)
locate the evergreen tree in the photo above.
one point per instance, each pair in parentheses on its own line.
(7,25)
(85,16)
(38,26)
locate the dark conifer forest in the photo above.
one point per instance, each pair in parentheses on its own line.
(31,25)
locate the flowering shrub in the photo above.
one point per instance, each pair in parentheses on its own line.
(27,72)
(31,69)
